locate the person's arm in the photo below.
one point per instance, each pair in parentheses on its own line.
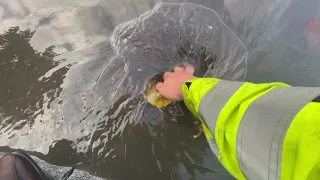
(256,130)
(219,105)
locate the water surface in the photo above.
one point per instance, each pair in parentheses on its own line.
(72,74)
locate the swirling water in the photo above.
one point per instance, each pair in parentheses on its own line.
(71,84)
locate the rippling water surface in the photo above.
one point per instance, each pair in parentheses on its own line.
(72,73)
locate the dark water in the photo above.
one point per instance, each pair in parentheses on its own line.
(71,76)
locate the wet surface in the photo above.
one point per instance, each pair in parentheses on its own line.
(72,76)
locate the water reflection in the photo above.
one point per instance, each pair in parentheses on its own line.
(289,56)
(100,118)
(93,111)
(23,93)
(119,128)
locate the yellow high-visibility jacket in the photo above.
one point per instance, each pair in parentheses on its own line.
(259,131)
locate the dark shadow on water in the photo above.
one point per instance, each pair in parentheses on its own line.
(165,148)
(154,148)
(22,90)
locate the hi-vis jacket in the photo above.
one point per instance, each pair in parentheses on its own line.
(259,131)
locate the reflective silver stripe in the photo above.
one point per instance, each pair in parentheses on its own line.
(213,146)
(263,127)
(214,100)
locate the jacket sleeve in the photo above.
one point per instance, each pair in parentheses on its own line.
(220,105)
(258,131)
(193,91)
